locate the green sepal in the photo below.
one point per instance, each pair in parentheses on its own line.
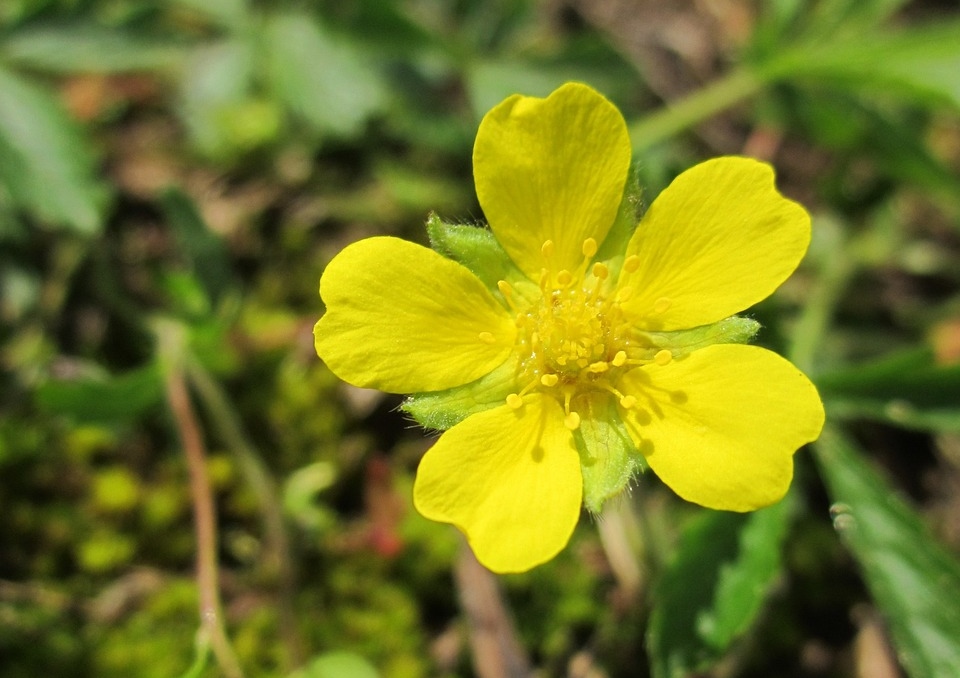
(733,330)
(442,409)
(478,249)
(608,458)
(628,216)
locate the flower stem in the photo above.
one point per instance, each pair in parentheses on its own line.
(677,116)
(171,343)
(277,547)
(836,269)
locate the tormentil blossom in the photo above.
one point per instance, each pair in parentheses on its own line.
(567,348)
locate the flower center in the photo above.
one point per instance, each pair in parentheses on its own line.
(575,339)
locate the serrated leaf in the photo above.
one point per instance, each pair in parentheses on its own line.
(89,48)
(913,579)
(103,399)
(715,587)
(323,79)
(45,162)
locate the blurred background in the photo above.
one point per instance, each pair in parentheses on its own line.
(174,176)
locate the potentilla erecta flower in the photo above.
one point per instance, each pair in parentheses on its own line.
(568,348)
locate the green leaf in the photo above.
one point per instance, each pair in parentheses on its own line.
(908,388)
(913,579)
(45,162)
(922,62)
(217,102)
(204,250)
(324,80)
(337,664)
(89,48)
(94,398)
(715,587)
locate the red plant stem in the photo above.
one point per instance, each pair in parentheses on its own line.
(211,616)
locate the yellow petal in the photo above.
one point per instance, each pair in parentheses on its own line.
(402,318)
(551,169)
(719,239)
(720,426)
(508,479)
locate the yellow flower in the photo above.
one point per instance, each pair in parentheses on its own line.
(567,347)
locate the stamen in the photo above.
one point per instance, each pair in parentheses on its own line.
(626,402)
(549,380)
(487,338)
(632,263)
(572,421)
(589,248)
(600,271)
(663,357)
(547,249)
(662,305)
(514,401)
(619,359)
(564,278)
(599,367)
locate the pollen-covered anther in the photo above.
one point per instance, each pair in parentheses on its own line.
(600,271)
(663,357)
(564,278)
(628,401)
(572,421)
(662,305)
(549,380)
(546,249)
(589,248)
(620,359)
(631,264)
(487,338)
(599,366)
(515,401)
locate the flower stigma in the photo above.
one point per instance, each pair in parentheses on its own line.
(574,341)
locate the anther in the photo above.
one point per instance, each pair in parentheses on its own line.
(514,401)
(572,421)
(600,271)
(632,263)
(619,359)
(487,338)
(599,366)
(504,288)
(589,248)
(663,357)
(547,249)
(662,305)
(564,278)
(549,380)
(626,402)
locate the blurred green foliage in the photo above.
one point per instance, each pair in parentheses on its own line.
(193,164)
